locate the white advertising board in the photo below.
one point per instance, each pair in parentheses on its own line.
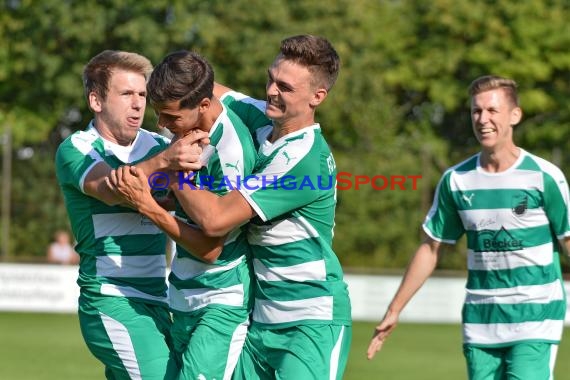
(36,287)
(52,288)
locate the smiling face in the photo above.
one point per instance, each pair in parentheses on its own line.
(291,96)
(120,115)
(493,116)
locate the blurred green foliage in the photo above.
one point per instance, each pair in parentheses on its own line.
(399,106)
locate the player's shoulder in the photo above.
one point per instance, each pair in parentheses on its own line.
(548,169)
(306,139)
(302,148)
(534,162)
(466,166)
(80,140)
(160,139)
(231,97)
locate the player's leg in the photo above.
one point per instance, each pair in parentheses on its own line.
(252,364)
(531,361)
(214,341)
(130,338)
(301,352)
(484,363)
(315,352)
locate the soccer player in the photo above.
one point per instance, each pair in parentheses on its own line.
(301,322)
(513,208)
(210,290)
(123,311)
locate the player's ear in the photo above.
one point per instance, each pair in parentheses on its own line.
(204,105)
(319,96)
(516,115)
(94,101)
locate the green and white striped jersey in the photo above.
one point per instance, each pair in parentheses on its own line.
(195,284)
(122,252)
(512,221)
(250,110)
(293,191)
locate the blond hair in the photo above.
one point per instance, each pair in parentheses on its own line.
(493,82)
(97,73)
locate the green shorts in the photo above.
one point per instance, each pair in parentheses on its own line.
(520,361)
(207,343)
(130,338)
(308,352)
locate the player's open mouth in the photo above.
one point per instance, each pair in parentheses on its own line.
(133,120)
(271,103)
(485,131)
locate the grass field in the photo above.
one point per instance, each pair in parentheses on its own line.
(50,347)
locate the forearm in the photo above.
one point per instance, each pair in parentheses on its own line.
(215,215)
(156,163)
(201,206)
(182,154)
(420,268)
(189,237)
(96,186)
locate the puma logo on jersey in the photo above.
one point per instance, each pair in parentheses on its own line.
(468,199)
(228,165)
(287,157)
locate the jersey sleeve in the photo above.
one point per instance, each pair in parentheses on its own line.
(443,222)
(285,184)
(74,159)
(251,111)
(556,201)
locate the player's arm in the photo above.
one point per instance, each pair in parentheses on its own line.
(182,154)
(420,268)
(250,110)
(130,184)
(215,215)
(220,90)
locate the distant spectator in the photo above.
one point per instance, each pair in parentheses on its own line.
(60,251)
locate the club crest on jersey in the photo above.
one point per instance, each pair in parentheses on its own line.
(519,204)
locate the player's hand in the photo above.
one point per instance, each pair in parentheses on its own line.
(130,185)
(184,152)
(381,333)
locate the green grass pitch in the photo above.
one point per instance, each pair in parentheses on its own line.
(50,347)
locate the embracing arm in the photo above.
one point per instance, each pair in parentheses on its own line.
(216,215)
(182,154)
(191,238)
(130,184)
(420,268)
(220,90)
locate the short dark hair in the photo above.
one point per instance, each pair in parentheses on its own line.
(181,76)
(317,54)
(492,82)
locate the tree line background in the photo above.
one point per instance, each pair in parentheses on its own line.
(400,105)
